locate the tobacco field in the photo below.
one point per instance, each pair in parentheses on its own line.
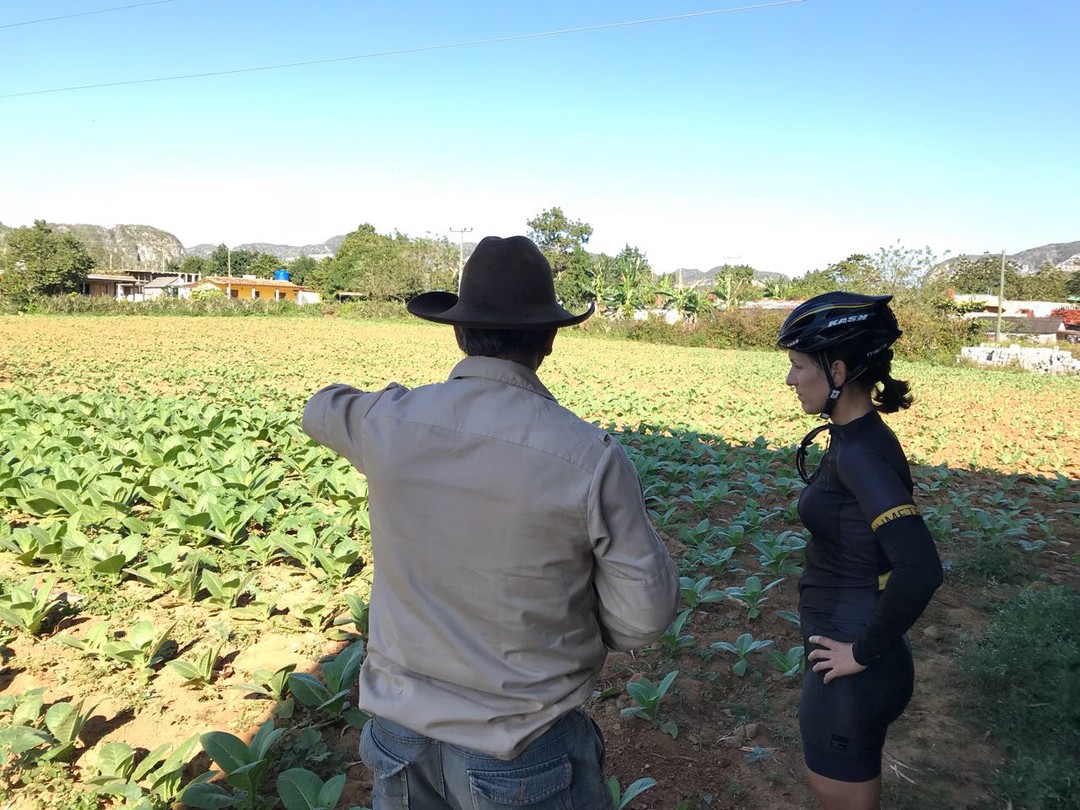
(183,574)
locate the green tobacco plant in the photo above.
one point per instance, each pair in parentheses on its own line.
(152,783)
(244,767)
(787,664)
(26,609)
(752,594)
(201,672)
(339,679)
(300,789)
(106,554)
(269,684)
(28,544)
(358,618)
(779,554)
(63,723)
(647,696)
(140,647)
(744,645)
(227,590)
(697,592)
(622,799)
(673,638)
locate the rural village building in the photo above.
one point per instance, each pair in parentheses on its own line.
(254,289)
(163,287)
(120,286)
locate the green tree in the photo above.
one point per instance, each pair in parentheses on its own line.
(301,269)
(224,261)
(1048,283)
(980,275)
(1072,286)
(899,268)
(382,267)
(264,265)
(38,261)
(560,238)
(196,265)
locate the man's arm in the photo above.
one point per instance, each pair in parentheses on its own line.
(637,583)
(333,416)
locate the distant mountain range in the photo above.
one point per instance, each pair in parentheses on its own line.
(286,253)
(1064,255)
(143,247)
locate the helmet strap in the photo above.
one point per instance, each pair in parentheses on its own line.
(834,389)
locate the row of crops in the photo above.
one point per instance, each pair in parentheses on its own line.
(161,525)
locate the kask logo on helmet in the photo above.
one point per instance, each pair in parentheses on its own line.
(848,319)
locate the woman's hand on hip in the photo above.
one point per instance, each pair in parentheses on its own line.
(835,660)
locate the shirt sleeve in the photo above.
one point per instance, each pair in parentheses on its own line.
(637,583)
(906,542)
(334,415)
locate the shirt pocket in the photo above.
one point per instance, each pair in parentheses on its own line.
(542,787)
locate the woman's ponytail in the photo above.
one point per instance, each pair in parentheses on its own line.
(889,395)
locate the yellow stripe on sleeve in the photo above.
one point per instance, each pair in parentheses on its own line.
(892,514)
(882,579)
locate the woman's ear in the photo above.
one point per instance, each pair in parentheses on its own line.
(839,372)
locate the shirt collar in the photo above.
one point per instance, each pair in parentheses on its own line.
(499,370)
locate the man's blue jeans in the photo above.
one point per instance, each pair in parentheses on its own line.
(560,770)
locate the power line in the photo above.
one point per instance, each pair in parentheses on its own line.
(86,13)
(403,51)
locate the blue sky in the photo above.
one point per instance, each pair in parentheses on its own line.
(785,137)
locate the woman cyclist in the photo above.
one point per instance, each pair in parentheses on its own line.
(871,564)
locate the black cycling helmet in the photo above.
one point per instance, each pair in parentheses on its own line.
(836,319)
(859,326)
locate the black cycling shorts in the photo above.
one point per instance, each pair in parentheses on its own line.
(843,723)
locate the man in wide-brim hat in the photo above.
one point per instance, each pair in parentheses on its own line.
(511,550)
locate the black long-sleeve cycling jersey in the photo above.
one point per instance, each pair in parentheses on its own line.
(871,564)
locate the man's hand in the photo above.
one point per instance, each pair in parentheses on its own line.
(835,660)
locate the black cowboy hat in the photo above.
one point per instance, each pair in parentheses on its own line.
(505,284)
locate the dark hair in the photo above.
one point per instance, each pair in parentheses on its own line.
(889,395)
(501,342)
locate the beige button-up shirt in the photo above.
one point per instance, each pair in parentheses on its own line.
(511,549)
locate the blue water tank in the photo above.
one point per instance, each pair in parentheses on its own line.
(281,275)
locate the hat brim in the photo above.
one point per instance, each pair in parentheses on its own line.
(446,307)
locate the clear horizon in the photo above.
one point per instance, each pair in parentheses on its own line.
(785,136)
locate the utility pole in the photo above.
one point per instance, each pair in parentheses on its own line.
(461,249)
(1001,295)
(228,270)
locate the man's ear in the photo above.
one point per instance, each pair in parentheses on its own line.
(547,345)
(839,372)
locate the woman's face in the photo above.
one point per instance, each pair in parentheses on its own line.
(809,382)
